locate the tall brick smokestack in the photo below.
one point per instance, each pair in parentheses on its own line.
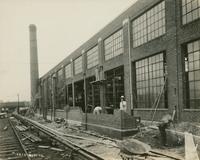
(33,62)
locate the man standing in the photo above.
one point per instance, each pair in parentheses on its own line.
(123,104)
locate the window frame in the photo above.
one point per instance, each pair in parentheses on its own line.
(192,11)
(75,65)
(149,77)
(93,53)
(114,46)
(136,42)
(189,71)
(70,70)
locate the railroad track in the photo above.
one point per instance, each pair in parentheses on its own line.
(11,146)
(75,152)
(72,151)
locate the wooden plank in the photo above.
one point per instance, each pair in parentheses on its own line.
(190,148)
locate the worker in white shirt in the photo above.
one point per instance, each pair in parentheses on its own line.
(97,110)
(123,104)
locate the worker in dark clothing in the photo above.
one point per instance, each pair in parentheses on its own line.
(165,123)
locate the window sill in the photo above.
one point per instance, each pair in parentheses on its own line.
(190,23)
(60,110)
(191,110)
(150,109)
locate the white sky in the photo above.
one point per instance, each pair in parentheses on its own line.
(62,26)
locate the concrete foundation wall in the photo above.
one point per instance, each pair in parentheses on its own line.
(61,114)
(117,125)
(74,114)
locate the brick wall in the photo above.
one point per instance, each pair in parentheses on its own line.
(118,125)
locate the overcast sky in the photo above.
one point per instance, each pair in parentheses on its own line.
(62,26)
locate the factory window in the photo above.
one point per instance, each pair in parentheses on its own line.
(68,71)
(49,95)
(150,78)
(60,75)
(93,93)
(114,87)
(190,10)
(150,25)
(69,95)
(113,45)
(60,90)
(78,67)
(92,57)
(192,70)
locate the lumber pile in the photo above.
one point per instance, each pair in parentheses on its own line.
(21,128)
(31,137)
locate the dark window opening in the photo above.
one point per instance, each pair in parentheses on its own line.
(192,75)
(69,95)
(93,93)
(114,86)
(49,93)
(60,90)
(79,95)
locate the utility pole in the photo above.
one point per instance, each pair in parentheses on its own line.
(85,99)
(53,95)
(17,103)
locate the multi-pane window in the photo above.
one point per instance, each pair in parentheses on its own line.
(192,69)
(78,67)
(150,79)
(68,71)
(60,75)
(190,10)
(113,45)
(150,25)
(92,57)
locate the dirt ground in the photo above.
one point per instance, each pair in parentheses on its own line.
(147,135)
(152,138)
(193,128)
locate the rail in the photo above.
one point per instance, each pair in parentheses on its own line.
(81,152)
(19,140)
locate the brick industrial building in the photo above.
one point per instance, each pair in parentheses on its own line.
(150,54)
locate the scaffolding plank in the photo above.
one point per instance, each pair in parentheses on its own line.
(190,148)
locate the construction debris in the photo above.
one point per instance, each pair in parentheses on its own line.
(148,135)
(31,137)
(5,128)
(21,128)
(56,149)
(44,147)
